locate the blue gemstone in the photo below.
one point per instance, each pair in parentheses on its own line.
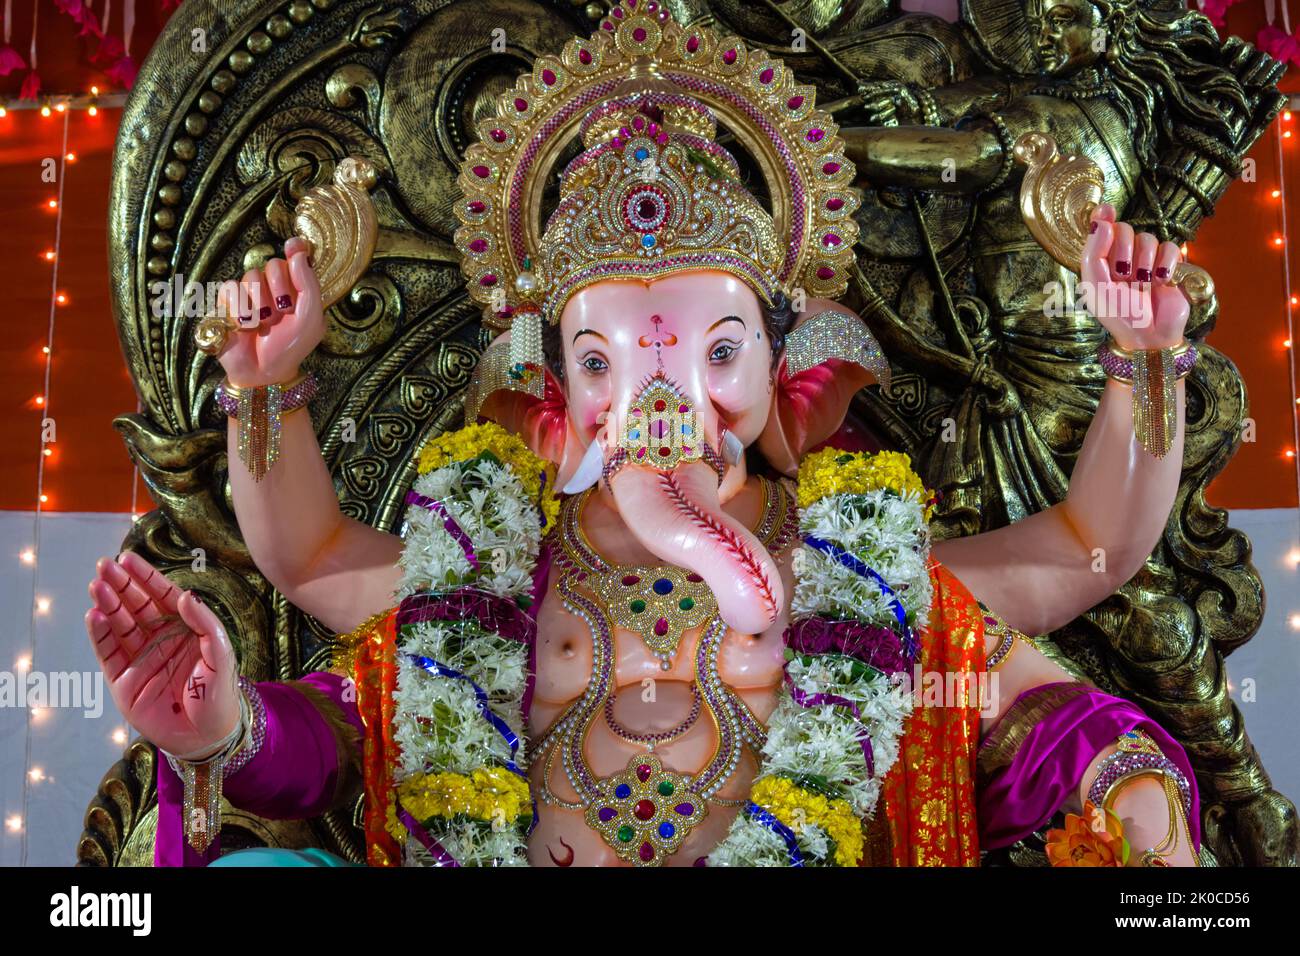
(666,830)
(641,154)
(648,241)
(622,791)
(634,433)
(663,586)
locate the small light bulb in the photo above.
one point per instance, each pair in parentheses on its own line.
(23,663)
(14,823)
(44,498)
(94,91)
(119,736)
(45,111)
(46,452)
(28,556)
(71,157)
(1277,240)
(1293,557)
(1295,622)
(36,774)
(61,107)
(1286,116)
(40,399)
(3,112)
(94,110)
(1277,193)
(45,349)
(53,204)
(43,605)
(61,299)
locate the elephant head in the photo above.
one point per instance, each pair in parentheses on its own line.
(661,385)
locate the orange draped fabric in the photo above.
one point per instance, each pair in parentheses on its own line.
(374,668)
(929,795)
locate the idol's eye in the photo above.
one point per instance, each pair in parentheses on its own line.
(723,352)
(595,365)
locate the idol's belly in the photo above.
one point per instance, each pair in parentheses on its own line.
(565,837)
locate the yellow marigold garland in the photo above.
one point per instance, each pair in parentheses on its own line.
(834,472)
(797,807)
(472,440)
(487,794)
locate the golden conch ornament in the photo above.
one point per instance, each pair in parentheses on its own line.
(339,224)
(1057,198)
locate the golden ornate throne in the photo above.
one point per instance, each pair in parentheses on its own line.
(245,105)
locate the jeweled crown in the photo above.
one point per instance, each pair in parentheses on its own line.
(653,192)
(650,198)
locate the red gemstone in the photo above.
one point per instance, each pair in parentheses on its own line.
(662,139)
(694,578)
(652,128)
(665,451)
(646,208)
(476,207)
(638,123)
(643,772)
(692,44)
(618,13)
(649,7)
(548,77)
(835,203)
(584,58)
(521,104)
(826,272)
(647,852)
(630,579)
(631,5)
(482,172)
(478,245)
(794,102)
(830,169)
(498,135)
(606,25)
(766,76)
(644,810)
(815,135)
(661,627)
(729,57)
(659,405)
(639,34)
(488,279)
(830,239)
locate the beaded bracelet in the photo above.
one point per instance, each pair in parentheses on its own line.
(1138,754)
(258,410)
(1118,363)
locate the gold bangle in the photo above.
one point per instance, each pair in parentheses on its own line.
(234,391)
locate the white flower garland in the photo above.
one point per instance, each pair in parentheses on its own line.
(813,766)
(438,723)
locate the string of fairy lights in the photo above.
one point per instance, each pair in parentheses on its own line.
(1284,133)
(62,107)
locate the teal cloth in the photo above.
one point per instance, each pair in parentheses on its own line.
(266,856)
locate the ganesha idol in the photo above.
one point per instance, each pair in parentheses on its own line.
(654,605)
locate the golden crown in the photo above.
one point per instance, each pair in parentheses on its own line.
(653,192)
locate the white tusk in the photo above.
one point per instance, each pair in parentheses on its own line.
(588,472)
(732,448)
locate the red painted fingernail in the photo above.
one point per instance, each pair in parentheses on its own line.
(266,311)
(283,302)
(1162,272)
(1121,268)
(1092,227)
(1144,275)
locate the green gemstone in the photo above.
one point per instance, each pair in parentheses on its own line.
(637,606)
(666,788)
(686,603)
(625,834)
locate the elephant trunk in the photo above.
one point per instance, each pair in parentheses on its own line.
(677,515)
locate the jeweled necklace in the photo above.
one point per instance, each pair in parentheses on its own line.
(645,812)
(650,741)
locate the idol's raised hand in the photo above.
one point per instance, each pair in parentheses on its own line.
(1126,281)
(290,320)
(170,667)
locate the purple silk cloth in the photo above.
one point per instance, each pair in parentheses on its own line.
(294,774)
(1054,756)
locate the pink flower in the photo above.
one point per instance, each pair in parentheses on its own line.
(123,72)
(1217,11)
(1281,46)
(10,60)
(31,86)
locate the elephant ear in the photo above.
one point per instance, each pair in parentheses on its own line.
(829,355)
(534,408)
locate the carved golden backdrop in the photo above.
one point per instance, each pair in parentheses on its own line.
(218,147)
